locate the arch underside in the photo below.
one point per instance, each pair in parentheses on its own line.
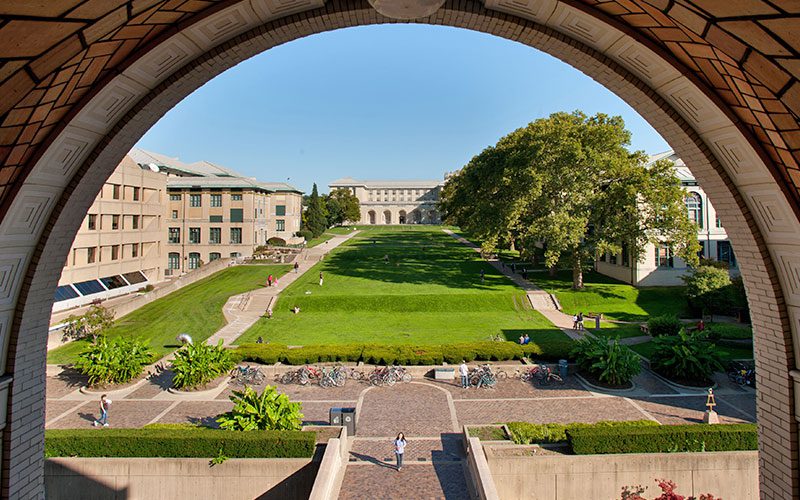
(55,179)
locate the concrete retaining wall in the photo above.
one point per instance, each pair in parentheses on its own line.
(478,473)
(729,475)
(178,478)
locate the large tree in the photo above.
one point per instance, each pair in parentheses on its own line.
(569,184)
(315,216)
(343,206)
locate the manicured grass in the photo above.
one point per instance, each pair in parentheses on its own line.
(319,240)
(612,330)
(429,292)
(195,309)
(728,353)
(616,300)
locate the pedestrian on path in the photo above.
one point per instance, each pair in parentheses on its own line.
(525,273)
(105,405)
(399,449)
(514,267)
(574,321)
(464,372)
(296,267)
(580,321)
(320,278)
(483,275)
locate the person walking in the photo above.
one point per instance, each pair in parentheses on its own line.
(525,273)
(483,275)
(320,278)
(105,405)
(269,280)
(464,372)
(575,322)
(580,321)
(399,449)
(296,268)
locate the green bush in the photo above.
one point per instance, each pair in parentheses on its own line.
(306,234)
(663,439)
(728,331)
(266,354)
(609,362)
(659,326)
(181,443)
(269,411)
(195,365)
(709,289)
(527,433)
(686,357)
(113,362)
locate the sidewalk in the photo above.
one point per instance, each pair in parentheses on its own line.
(242,311)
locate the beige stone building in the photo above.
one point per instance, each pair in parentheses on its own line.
(118,248)
(394,202)
(657,266)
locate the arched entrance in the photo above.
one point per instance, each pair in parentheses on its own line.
(74,103)
(387,217)
(372,217)
(401,217)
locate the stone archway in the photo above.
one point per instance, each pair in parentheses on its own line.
(401,217)
(387,216)
(371,217)
(80,85)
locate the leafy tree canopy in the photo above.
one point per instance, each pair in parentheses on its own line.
(315,216)
(569,183)
(343,206)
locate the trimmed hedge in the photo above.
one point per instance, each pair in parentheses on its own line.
(404,354)
(663,438)
(527,433)
(178,442)
(664,325)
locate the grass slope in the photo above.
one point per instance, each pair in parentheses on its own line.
(615,299)
(429,292)
(195,309)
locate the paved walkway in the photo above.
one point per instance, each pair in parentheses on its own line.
(242,311)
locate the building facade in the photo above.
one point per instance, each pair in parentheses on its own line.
(394,202)
(657,266)
(118,248)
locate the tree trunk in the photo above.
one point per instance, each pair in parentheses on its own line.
(577,274)
(553,270)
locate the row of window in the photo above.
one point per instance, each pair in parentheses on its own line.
(122,192)
(214,235)
(215,201)
(694,207)
(193,260)
(665,258)
(95,222)
(117,252)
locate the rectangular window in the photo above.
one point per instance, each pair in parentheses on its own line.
(236,197)
(719,223)
(214,218)
(280,209)
(174,260)
(114,252)
(115,222)
(135,222)
(280,225)
(92,222)
(236,235)
(135,194)
(214,256)
(215,235)
(725,253)
(174,235)
(174,197)
(612,258)
(135,250)
(194,235)
(115,191)
(237,215)
(91,254)
(174,214)
(216,200)
(195,200)
(603,257)
(663,256)
(194,260)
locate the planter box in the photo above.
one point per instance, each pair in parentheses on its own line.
(444,373)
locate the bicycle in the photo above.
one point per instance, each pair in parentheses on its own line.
(742,374)
(525,375)
(545,375)
(247,375)
(484,376)
(301,376)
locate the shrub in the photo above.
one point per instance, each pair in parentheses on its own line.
(269,410)
(306,234)
(527,433)
(91,324)
(181,443)
(195,365)
(708,289)
(728,331)
(276,241)
(663,438)
(266,354)
(664,325)
(113,362)
(609,362)
(686,357)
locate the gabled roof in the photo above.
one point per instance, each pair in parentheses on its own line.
(394,184)
(681,170)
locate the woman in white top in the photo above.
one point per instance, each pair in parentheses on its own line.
(399,449)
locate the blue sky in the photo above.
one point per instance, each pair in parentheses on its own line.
(389,101)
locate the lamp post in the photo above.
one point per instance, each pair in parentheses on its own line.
(710,416)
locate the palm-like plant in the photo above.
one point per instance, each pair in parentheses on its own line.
(198,364)
(269,410)
(610,362)
(113,362)
(686,356)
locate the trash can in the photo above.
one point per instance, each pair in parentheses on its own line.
(335,416)
(562,368)
(345,417)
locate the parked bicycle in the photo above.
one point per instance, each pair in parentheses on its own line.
(742,374)
(525,375)
(334,377)
(545,376)
(302,375)
(351,372)
(484,376)
(247,375)
(389,375)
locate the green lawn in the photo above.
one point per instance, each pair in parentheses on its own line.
(329,234)
(616,300)
(195,309)
(728,353)
(429,292)
(612,330)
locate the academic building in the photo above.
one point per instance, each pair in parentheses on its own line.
(394,202)
(157,217)
(657,266)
